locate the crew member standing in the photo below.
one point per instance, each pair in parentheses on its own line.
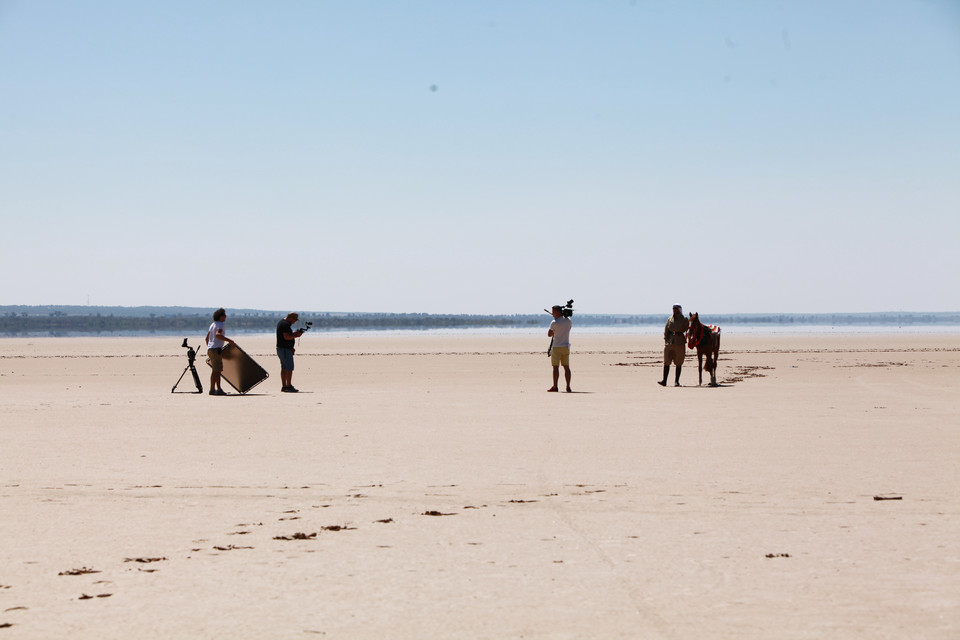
(285,350)
(675,344)
(215,343)
(560,349)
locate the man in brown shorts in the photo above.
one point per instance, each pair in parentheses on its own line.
(675,344)
(215,343)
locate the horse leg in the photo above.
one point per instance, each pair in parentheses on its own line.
(700,367)
(716,359)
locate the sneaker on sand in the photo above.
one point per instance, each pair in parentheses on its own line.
(290,390)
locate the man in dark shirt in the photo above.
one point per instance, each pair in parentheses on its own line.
(285,349)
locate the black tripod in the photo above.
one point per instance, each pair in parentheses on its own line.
(191,357)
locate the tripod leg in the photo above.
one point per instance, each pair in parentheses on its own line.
(179,379)
(196,379)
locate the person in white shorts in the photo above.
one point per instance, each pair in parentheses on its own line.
(560,350)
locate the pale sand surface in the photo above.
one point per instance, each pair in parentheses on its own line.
(625,510)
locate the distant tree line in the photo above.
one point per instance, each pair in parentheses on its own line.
(57,321)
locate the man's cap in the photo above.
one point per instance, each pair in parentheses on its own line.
(676,306)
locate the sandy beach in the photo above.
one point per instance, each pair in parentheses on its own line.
(427,486)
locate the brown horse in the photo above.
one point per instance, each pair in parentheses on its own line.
(706,339)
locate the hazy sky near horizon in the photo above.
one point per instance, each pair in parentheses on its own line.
(482,157)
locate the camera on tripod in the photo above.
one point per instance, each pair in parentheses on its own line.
(191,358)
(191,352)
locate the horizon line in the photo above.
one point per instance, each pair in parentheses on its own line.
(204,310)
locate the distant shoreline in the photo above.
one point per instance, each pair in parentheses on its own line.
(730,329)
(131,321)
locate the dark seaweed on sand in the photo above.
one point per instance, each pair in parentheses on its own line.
(78,572)
(297,536)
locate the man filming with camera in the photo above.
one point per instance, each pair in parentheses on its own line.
(560,346)
(285,350)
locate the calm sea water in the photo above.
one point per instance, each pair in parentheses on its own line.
(657,330)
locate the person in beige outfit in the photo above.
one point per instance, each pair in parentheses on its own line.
(675,344)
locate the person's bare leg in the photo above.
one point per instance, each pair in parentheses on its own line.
(556,378)
(567,375)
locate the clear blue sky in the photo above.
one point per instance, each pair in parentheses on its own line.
(482,157)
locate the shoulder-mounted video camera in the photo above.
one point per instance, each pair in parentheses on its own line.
(565,310)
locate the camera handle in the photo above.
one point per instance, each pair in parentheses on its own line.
(306,327)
